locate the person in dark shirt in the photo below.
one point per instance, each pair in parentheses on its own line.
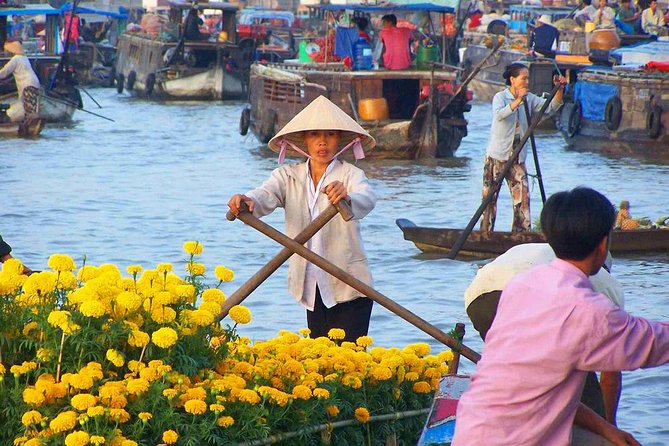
(544,38)
(192,26)
(628,18)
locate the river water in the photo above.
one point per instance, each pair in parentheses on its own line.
(133,191)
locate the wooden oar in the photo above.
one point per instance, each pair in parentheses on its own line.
(254,282)
(72,104)
(358,285)
(535,155)
(497,184)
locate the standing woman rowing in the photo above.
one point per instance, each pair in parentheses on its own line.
(509,123)
(321,132)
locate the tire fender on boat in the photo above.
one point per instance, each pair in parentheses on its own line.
(613,113)
(268,128)
(120,80)
(245,121)
(574,120)
(654,121)
(130,82)
(149,84)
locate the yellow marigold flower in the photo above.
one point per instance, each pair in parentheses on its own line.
(127,442)
(12,266)
(362,414)
(144,416)
(225,421)
(33,442)
(44,354)
(87,272)
(31,417)
(381,373)
(305,332)
(224,274)
(336,334)
(212,307)
(213,295)
(170,437)
(134,269)
(216,408)
(364,341)
(332,410)
(351,381)
(66,281)
(137,386)
(57,318)
(248,396)
(64,422)
(321,394)
(195,268)
(129,301)
(92,308)
(138,338)
(83,401)
(169,393)
(411,376)
(195,407)
(193,247)
(164,268)
(421,387)
(115,357)
(78,438)
(302,392)
(95,411)
(119,415)
(30,326)
(33,397)
(421,348)
(202,318)
(163,315)
(61,262)
(165,337)
(240,314)
(97,440)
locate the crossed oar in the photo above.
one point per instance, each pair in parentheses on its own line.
(295,246)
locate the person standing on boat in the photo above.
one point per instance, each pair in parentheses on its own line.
(321,132)
(652,20)
(396,41)
(27,83)
(482,299)
(550,330)
(509,123)
(544,39)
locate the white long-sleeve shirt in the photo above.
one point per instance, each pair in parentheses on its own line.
(651,21)
(24,76)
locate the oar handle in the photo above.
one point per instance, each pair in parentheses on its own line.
(342,206)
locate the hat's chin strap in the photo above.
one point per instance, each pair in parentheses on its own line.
(358,152)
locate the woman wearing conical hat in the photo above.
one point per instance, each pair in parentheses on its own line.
(321,132)
(27,83)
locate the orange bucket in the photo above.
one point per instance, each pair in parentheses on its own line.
(373,109)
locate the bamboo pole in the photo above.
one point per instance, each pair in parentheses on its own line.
(535,155)
(358,285)
(254,282)
(326,426)
(497,184)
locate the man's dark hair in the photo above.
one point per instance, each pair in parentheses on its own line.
(587,2)
(361,23)
(513,70)
(390,18)
(576,221)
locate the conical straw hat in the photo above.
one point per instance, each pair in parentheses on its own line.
(14,47)
(321,114)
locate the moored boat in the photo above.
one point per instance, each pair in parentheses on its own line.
(161,64)
(491,244)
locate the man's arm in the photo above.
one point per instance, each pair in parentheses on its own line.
(588,419)
(611,384)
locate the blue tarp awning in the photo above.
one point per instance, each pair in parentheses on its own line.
(29,10)
(85,10)
(389,8)
(593,97)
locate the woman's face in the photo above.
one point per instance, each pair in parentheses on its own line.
(322,144)
(522,80)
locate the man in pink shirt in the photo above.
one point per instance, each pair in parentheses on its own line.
(551,328)
(396,54)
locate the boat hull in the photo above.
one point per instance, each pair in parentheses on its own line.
(491,244)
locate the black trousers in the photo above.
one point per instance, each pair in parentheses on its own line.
(482,312)
(352,317)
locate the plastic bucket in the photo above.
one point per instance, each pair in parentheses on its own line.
(373,109)
(425,55)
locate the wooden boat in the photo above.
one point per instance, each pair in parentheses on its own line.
(29,128)
(491,244)
(440,425)
(169,66)
(58,99)
(279,91)
(626,116)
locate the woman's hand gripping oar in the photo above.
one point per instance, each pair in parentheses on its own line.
(342,208)
(497,184)
(358,285)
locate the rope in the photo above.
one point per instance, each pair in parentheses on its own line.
(330,426)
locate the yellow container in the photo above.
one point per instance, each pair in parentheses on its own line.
(589,27)
(373,109)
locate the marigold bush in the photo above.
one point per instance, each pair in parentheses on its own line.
(88,356)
